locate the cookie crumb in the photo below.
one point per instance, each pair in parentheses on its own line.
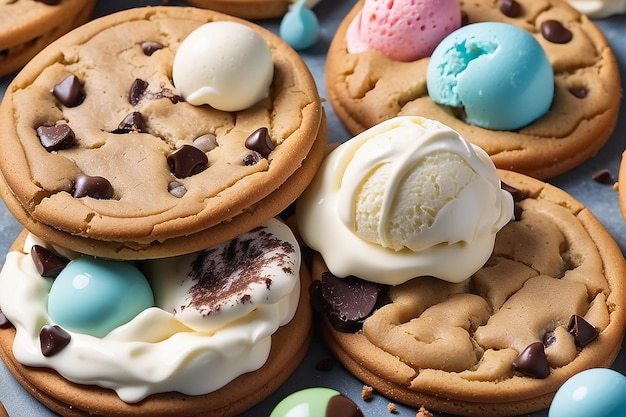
(422,412)
(367,393)
(391,407)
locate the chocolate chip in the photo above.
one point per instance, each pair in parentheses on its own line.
(532,361)
(354,299)
(318,304)
(53,339)
(464,18)
(56,137)
(549,339)
(555,32)
(48,264)
(137,91)
(205,143)
(69,91)
(150,47)
(325,365)
(187,160)
(340,406)
(578,92)
(260,142)
(133,122)
(583,332)
(176,189)
(603,176)
(251,159)
(94,187)
(49,2)
(510,8)
(5,323)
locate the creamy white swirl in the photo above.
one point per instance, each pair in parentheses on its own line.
(161,350)
(406,198)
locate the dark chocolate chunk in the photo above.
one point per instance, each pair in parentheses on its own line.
(53,339)
(464,18)
(517,194)
(532,361)
(56,137)
(340,406)
(583,332)
(251,159)
(48,264)
(69,91)
(150,47)
(260,142)
(510,8)
(133,122)
(187,160)
(342,325)
(318,304)
(603,176)
(578,92)
(555,32)
(352,298)
(94,187)
(176,189)
(137,91)
(517,212)
(5,323)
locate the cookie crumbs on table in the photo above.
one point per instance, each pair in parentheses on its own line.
(423,413)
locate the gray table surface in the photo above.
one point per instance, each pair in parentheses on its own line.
(600,199)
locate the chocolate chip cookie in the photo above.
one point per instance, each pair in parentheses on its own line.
(105,157)
(366,88)
(26,27)
(548,304)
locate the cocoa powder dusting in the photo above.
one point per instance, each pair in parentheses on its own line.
(227,272)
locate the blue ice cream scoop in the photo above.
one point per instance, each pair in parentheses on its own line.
(496,73)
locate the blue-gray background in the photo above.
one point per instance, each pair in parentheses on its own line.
(600,199)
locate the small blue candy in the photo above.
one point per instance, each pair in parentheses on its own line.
(299,27)
(595,392)
(94,296)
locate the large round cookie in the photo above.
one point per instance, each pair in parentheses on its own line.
(368,87)
(143,218)
(451,347)
(288,348)
(26,27)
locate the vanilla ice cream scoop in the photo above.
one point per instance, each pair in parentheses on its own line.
(226,65)
(408,197)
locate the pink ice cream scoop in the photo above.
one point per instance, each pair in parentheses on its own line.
(404,30)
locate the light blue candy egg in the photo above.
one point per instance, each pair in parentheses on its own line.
(595,392)
(299,27)
(498,73)
(94,296)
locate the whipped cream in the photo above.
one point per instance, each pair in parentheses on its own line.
(599,8)
(402,200)
(191,350)
(226,65)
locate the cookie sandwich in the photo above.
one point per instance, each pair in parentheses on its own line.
(465,289)
(26,27)
(535,84)
(147,141)
(141,125)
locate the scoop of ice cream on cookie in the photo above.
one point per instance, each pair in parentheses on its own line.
(496,74)
(406,196)
(224,64)
(403,30)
